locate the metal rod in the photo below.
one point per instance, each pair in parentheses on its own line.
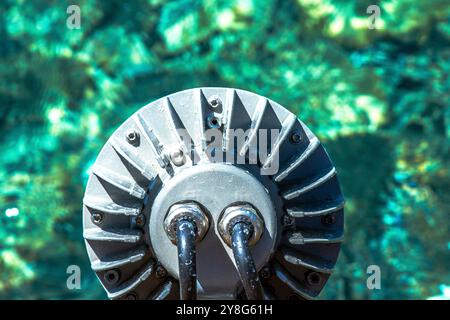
(186,259)
(240,234)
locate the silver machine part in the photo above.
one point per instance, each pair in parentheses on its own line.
(161,164)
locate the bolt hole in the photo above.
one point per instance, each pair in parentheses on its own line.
(313,278)
(265,273)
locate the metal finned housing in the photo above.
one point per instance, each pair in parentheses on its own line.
(187,211)
(187,149)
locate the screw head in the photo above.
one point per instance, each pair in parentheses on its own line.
(160,272)
(213,122)
(112,276)
(97,218)
(328,219)
(133,136)
(131,296)
(296,137)
(313,278)
(265,273)
(177,156)
(215,102)
(189,210)
(140,220)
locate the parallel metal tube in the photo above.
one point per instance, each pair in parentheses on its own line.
(240,234)
(187,259)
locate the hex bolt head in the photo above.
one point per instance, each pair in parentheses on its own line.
(177,156)
(97,218)
(215,102)
(296,137)
(133,137)
(160,272)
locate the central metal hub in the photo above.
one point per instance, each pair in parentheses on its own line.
(214,187)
